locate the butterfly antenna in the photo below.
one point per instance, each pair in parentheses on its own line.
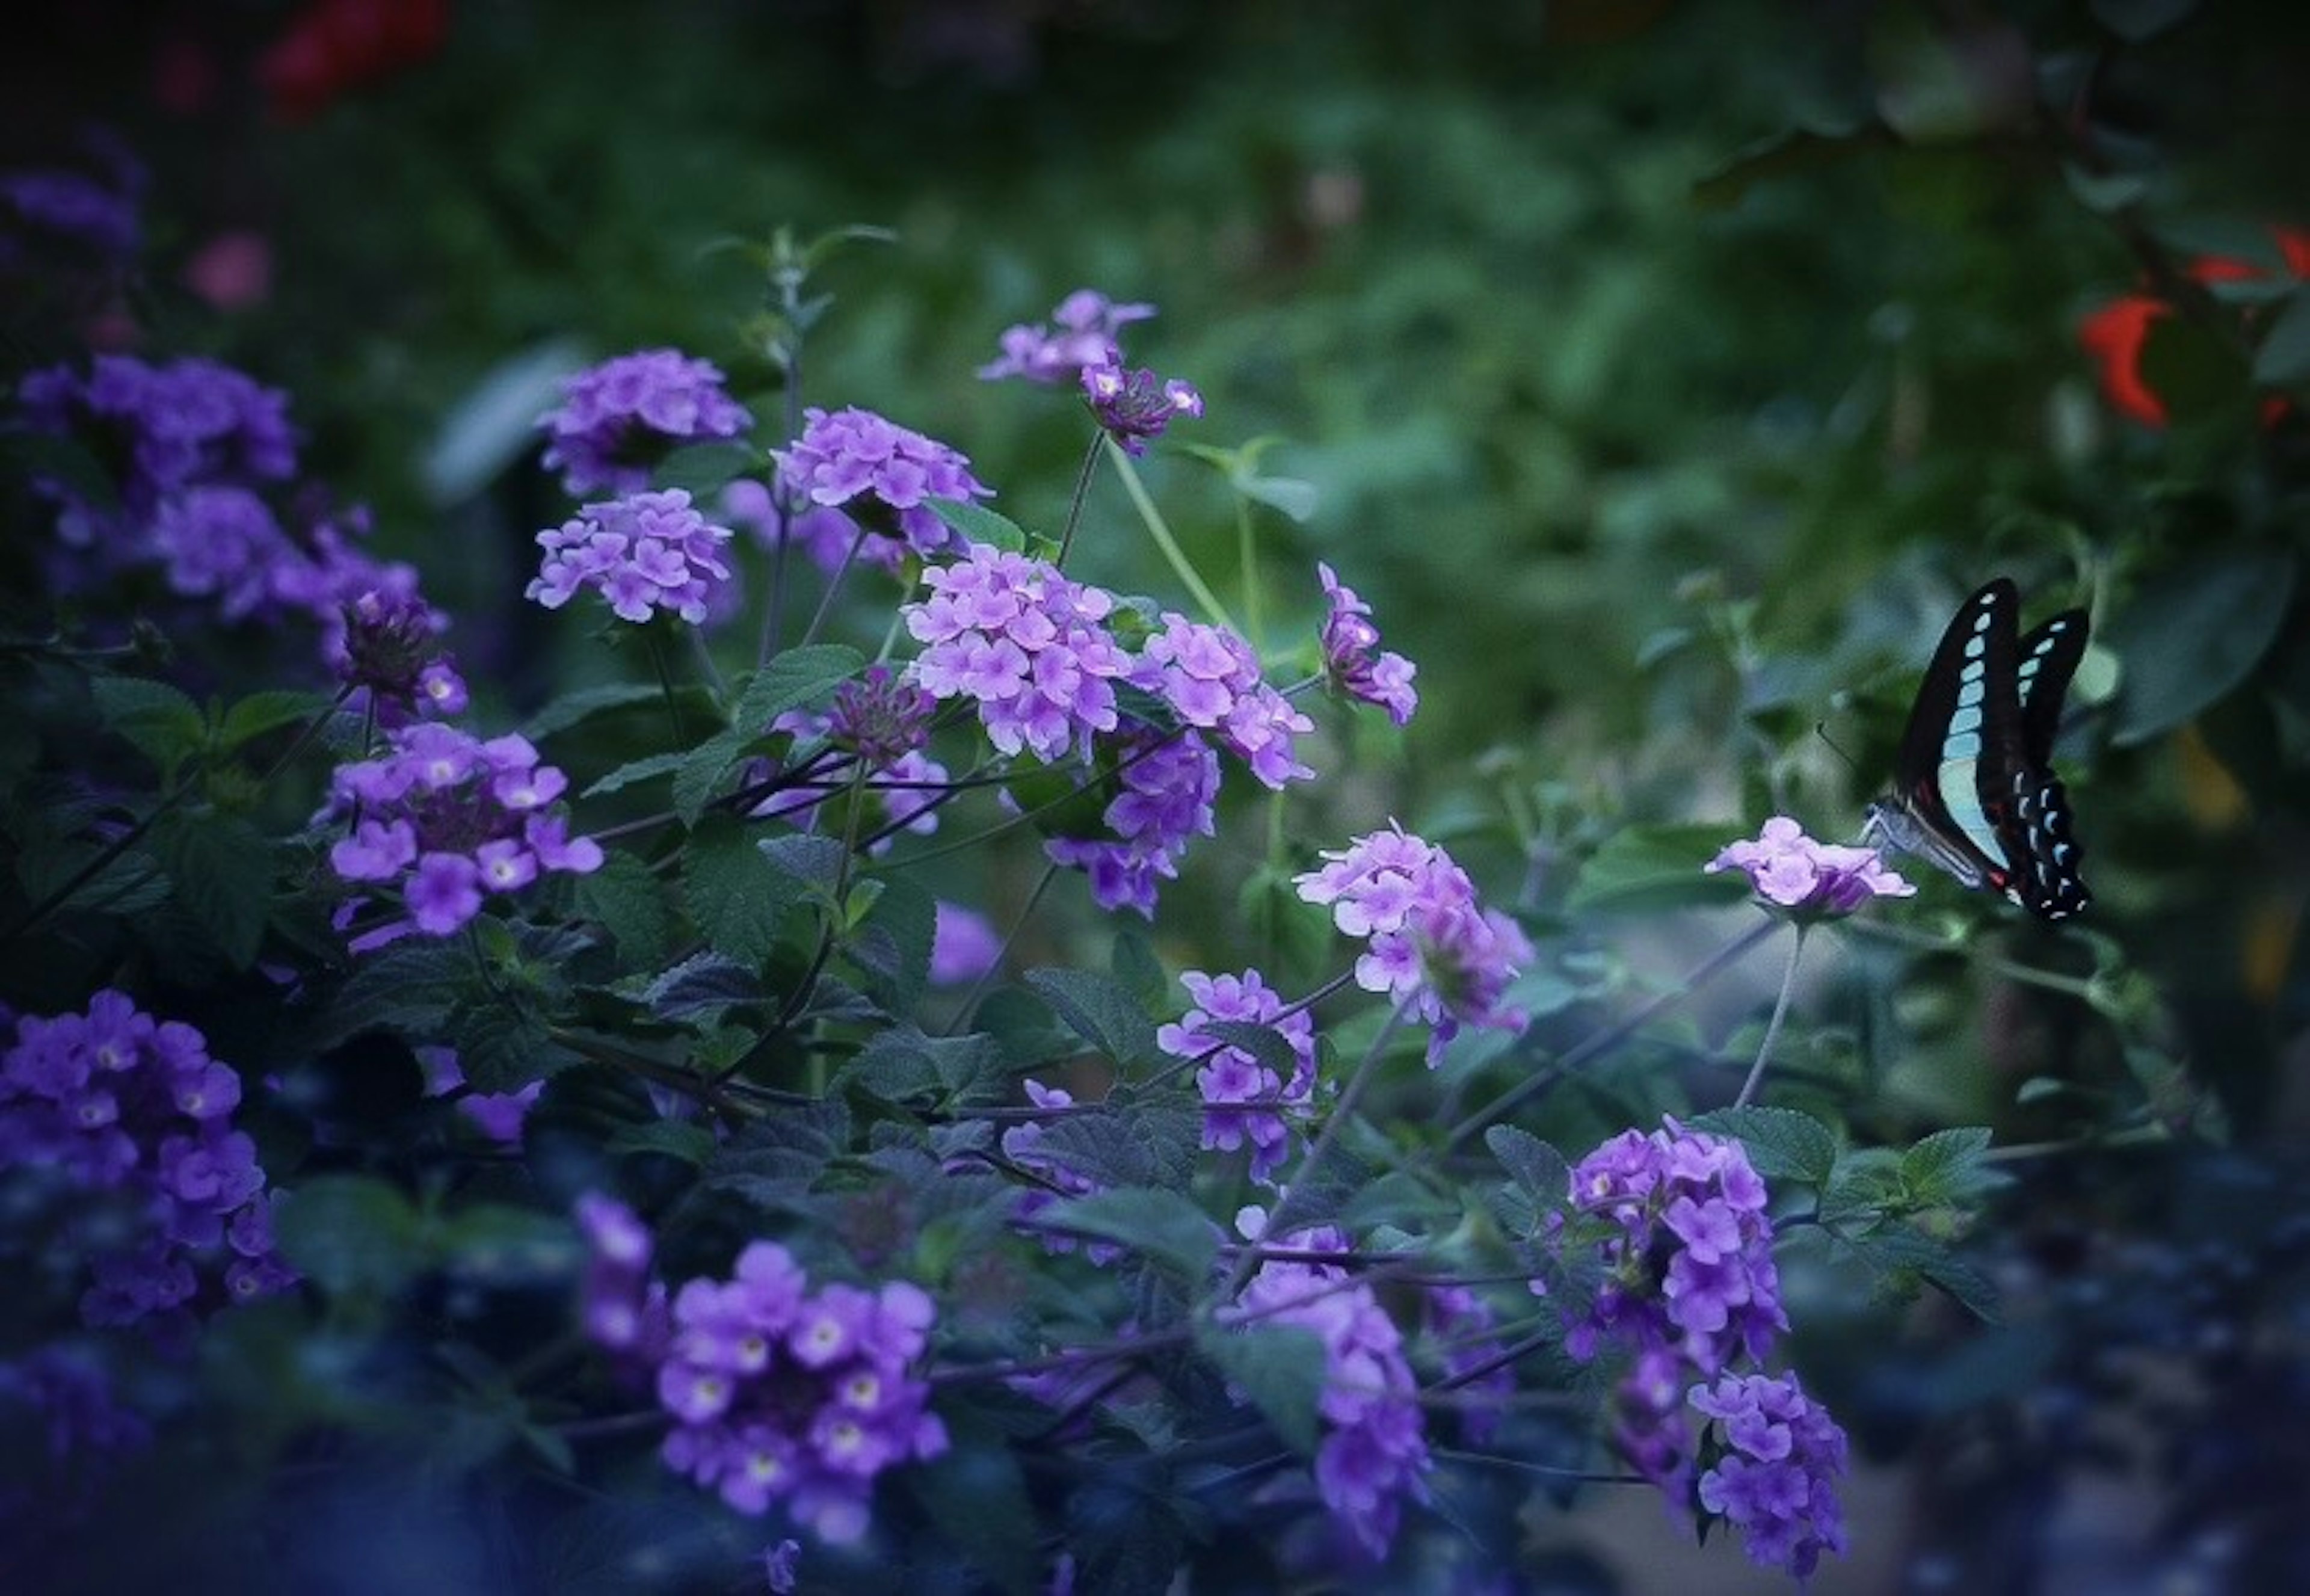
(1820,730)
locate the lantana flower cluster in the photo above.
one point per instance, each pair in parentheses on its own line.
(386,643)
(852,473)
(1166,790)
(1246,1102)
(1439,956)
(1373,1454)
(1353,660)
(1023,1145)
(882,719)
(617,421)
(645,553)
(779,1394)
(1689,1292)
(449,820)
(1788,868)
(1775,1479)
(1083,331)
(1210,679)
(118,1102)
(1134,405)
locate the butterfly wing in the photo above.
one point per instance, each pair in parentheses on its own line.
(2049,658)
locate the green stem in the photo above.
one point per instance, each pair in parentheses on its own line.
(656,643)
(1082,491)
(1247,555)
(1034,901)
(1157,529)
(1773,1026)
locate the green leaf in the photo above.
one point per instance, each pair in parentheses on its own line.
(1100,1009)
(1658,867)
(1264,1043)
(1160,1225)
(2191,639)
(2283,356)
(645,768)
(1293,496)
(698,773)
(700,469)
(692,1144)
(1135,964)
(408,988)
(626,896)
(1126,1145)
(975,1493)
(736,896)
(1902,1255)
(1280,1369)
(2137,20)
(495,422)
(349,1235)
(797,677)
(500,1244)
(560,714)
(892,944)
(704,987)
(978,524)
(1782,1143)
(1950,1167)
(260,713)
(221,868)
(166,726)
(1532,1163)
(502,1047)
(903,1064)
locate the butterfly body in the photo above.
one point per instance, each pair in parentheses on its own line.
(1974,788)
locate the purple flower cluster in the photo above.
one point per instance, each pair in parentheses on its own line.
(498,1115)
(642,553)
(161,428)
(120,1102)
(1133,406)
(1210,679)
(884,719)
(1462,1324)
(1352,657)
(778,1394)
(1374,1452)
(1022,1144)
(1082,333)
(1688,1291)
(621,1307)
(384,645)
(855,469)
(68,206)
(1245,1101)
(1438,955)
(450,819)
(1029,645)
(1775,1477)
(1168,787)
(1788,868)
(618,419)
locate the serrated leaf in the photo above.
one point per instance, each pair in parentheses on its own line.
(1100,1009)
(813,864)
(1136,1145)
(700,772)
(1900,1252)
(1536,1167)
(700,469)
(164,725)
(734,894)
(260,713)
(560,714)
(795,677)
(408,988)
(502,1048)
(703,986)
(1782,1143)
(892,944)
(1160,1225)
(978,524)
(629,900)
(1950,1166)
(692,1144)
(903,1064)
(221,868)
(1267,1046)
(1280,1369)
(1657,867)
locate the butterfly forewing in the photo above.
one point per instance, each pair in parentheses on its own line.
(1973,775)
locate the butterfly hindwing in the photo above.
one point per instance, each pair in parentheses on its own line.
(2049,658)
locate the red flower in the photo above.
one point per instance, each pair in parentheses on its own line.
(332,46)
(2115,335)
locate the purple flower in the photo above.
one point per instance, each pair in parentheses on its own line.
(1462,1324)
(778,1394)
(1245,1101)
(1167,789)
(385,646)
(116,1101)
(452,819)
(1029,645)
(1432,948)
(1024,1145)
(1352,657)
(618,419)
(1819,879)
(884,720)
(1082,333)
(643,553)
(876,475)
(77,209)
(1373,1454)
(1775,1477)
(1211,678)
(1135,405)
(964,946)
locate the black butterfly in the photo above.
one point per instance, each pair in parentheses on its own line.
(1974,792)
